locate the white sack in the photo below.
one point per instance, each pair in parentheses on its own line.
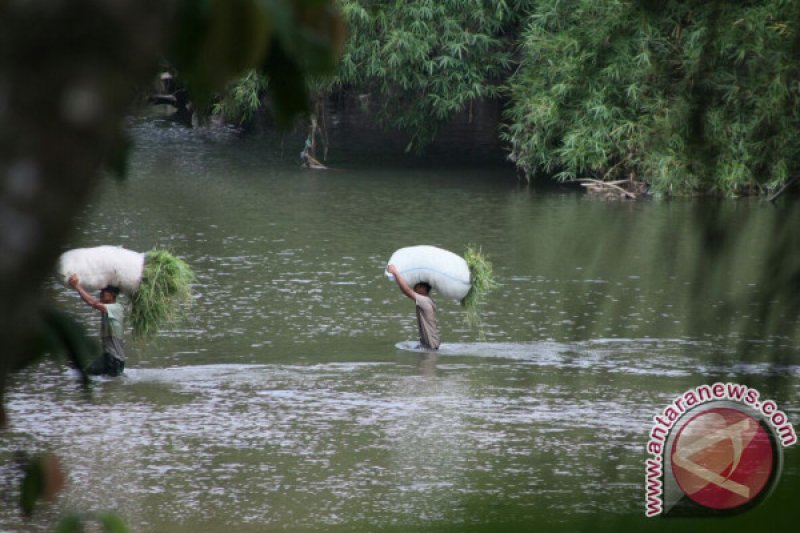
(445,271)
(103,266)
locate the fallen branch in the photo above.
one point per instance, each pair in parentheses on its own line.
(784,188)
(589,182)
(310,162)
(164,99)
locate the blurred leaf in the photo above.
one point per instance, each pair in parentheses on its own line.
(61,332)
(288,87)
(43,479)
(320,36)
(216,40)
(237,37)
(71,523)
(118,160)
(112,523)
(282,16)
(53,474)
(189,25)
(32,486)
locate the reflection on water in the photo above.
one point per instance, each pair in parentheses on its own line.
(291,399)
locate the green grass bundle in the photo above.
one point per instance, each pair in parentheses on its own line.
(482,279)
(164,290)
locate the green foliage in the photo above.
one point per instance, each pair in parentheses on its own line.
(482,280)
(688,96)
(242,98)
(165,287)
(112,523)
(423,61)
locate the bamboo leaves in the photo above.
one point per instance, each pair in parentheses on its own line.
(688,97)
(424,60)
(243,98)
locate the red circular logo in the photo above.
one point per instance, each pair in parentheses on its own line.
(722,458)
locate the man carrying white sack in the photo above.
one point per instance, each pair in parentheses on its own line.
(426,309)
(112,361)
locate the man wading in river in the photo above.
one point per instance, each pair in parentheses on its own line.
(112,361)
(426,309)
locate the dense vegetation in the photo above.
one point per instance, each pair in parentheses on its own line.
(423,61)
(689,96)
(686,96)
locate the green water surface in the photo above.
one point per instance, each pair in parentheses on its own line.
(287,402)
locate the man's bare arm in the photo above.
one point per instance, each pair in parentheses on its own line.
(90,300)
(401,282)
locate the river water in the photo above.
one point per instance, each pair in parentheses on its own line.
(288,400)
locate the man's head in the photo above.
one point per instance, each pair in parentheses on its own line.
(108,295)
(422,288)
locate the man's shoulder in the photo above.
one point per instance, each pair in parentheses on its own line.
(423,301)
(115,310)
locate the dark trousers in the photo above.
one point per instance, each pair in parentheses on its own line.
(106,365)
